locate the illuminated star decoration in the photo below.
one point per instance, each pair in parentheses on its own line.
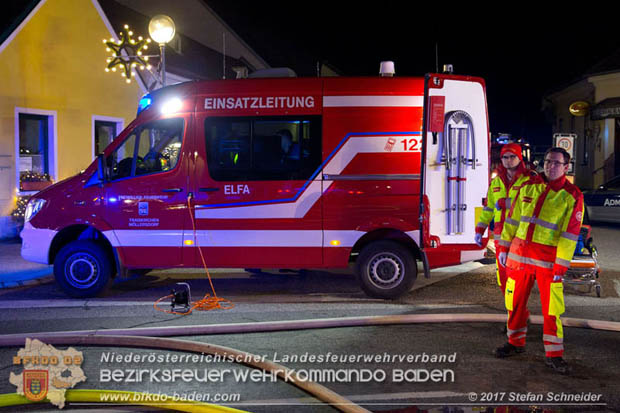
(132,55)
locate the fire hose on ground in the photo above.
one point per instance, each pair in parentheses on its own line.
(268,326)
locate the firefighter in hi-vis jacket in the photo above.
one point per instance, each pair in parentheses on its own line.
(511,174)
(537,243)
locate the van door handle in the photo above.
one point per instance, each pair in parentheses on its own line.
(209,189)
(172,190)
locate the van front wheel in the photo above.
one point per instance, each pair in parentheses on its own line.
(386,269)
(82,269)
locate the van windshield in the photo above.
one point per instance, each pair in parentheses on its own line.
(150,148)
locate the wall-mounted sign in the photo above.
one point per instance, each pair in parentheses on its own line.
(579,108)
(608,108)
(566,141)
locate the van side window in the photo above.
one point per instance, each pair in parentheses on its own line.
(263,148)
(151,148)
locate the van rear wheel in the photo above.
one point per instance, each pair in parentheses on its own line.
(82,269)
(386,269)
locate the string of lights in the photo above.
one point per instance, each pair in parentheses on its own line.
(127,54)
(20,207)
(31,176)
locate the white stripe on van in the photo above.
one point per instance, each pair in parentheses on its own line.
(238,238)
(373,101)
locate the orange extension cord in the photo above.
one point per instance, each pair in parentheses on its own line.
(208,302)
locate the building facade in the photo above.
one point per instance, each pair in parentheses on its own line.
(59,108)
(596,125)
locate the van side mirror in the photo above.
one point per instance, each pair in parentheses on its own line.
(98,178)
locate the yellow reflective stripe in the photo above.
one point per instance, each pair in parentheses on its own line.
(509,296)
(554,347)
(553,339)
(570,236)
(504,243)
(487,209)
(559,330)
(521,330)
(541,222)
(499,282)
(556,299)
(528,260)
(511,222)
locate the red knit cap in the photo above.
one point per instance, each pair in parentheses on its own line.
(513,148)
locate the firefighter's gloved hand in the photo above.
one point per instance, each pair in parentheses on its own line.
(478,239)
(558,278)
(501,258)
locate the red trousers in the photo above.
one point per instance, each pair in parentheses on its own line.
(519,284)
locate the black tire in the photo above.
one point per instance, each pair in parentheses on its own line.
(82,269)
(598,291)
(386,269)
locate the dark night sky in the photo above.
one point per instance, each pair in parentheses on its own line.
(521,52)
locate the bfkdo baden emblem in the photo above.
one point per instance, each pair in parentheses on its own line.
(35,384)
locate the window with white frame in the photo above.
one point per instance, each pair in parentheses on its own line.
(35,141)
(105,129)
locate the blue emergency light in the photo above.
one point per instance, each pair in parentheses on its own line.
(144,103)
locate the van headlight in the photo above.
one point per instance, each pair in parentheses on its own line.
(34,206)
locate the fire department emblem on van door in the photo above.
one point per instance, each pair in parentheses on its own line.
(389,146)
(143,208)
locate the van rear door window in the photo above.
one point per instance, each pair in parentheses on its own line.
(263,148)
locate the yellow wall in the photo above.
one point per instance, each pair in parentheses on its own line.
(56,63)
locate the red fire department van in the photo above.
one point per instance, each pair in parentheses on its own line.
(277,173)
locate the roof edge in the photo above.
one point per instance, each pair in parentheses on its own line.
(7,37)
(108,25)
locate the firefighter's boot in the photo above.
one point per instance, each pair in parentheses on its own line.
(508,350)
(558,364)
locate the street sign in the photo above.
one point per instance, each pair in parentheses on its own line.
(565,141)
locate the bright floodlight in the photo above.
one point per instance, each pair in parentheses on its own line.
(161,29)
(171,106)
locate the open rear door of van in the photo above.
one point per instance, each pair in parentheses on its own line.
(455,168)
